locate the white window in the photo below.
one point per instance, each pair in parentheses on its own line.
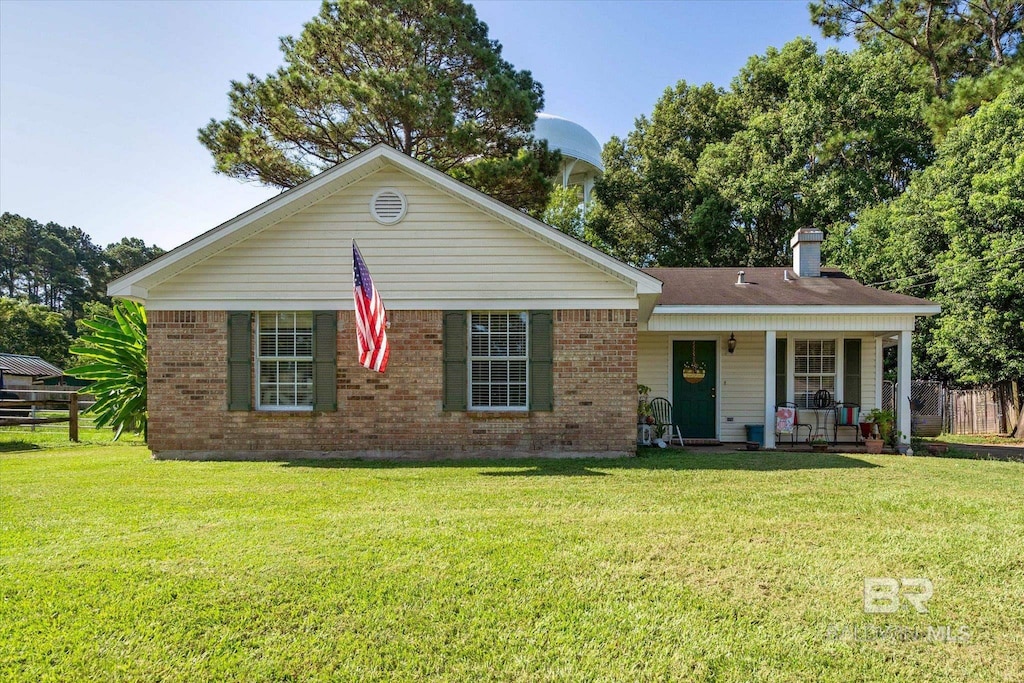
(814,369)
(284,361)
(497,360)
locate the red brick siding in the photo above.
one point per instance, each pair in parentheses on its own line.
(594,380)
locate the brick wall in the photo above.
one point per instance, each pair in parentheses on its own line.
(398,413)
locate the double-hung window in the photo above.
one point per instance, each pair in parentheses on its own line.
(498,357)
(814,368)
(284,361)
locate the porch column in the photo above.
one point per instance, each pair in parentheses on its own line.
(903,395)
(769,389)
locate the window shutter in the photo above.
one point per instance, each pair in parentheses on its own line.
(780,371)
(325,355)
(542,392)
(851,371)
(240,360)
(456,348)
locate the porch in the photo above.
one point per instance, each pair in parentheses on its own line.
(748,372)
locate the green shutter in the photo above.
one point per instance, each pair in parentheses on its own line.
(542,343)
(456,349)
(240,360)
(851,371)
(780,371)
(325,354)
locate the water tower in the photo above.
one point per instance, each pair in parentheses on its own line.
(581,152)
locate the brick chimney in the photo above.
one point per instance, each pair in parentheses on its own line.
(806,245)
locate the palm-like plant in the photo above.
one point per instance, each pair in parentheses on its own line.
(115,352)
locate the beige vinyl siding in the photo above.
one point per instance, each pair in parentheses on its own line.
(742,387)
(443,254)
(868,400)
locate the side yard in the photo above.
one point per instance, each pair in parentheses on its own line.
(745,566)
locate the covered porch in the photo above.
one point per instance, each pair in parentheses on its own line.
(754,363)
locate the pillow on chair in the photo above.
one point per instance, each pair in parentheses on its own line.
(847,416)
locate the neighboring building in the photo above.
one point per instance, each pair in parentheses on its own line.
(22,374)
(507,336)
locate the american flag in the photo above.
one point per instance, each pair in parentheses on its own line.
(371,319)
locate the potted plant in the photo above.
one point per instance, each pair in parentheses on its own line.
(874,444)
(819,444)
(883,421)
(644,414)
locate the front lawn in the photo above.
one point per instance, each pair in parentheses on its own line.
(746,566)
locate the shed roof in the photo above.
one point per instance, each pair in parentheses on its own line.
(768,287)
(30,366)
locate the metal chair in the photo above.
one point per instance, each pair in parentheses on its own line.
(846,415)
(661,408)
(797,424)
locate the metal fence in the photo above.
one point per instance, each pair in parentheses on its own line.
(935,409)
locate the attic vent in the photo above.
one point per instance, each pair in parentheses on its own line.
(388,206)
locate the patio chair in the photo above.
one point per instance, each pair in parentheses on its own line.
(797,424)
(846,415)
(661,408)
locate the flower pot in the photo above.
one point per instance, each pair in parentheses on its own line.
(865,429)
(874,446)
(820,447)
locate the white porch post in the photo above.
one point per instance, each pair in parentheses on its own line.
(903,397)
(769,389)
(879,348)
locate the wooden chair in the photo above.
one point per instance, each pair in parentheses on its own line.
(846,415)
(661,408)
(797,424)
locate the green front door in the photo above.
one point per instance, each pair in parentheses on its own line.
(693,405)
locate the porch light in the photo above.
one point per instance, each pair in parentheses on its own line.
(732,342)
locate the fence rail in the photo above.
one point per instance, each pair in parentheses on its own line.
(38,407)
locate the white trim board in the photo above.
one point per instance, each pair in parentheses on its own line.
(347,304)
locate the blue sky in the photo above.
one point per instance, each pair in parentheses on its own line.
(100,101)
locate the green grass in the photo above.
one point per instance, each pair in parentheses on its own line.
(670,566)
(980,439)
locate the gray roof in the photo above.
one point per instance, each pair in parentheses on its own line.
(768,287)
(30,366)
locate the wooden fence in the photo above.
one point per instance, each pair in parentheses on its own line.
(40,408)
(936,408)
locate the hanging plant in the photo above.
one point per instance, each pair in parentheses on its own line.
(694,372)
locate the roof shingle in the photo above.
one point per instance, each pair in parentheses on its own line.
(767,287)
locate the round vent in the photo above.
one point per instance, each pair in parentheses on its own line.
(388,206)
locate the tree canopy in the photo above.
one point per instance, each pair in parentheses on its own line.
(957,236)
(33,330)
(61,267)
(943,40)
(725,177)
(419,75)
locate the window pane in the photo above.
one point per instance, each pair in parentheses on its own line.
(480,371)
(285,362)
(499,394)
(497,381)
(479,346)
(517,371)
